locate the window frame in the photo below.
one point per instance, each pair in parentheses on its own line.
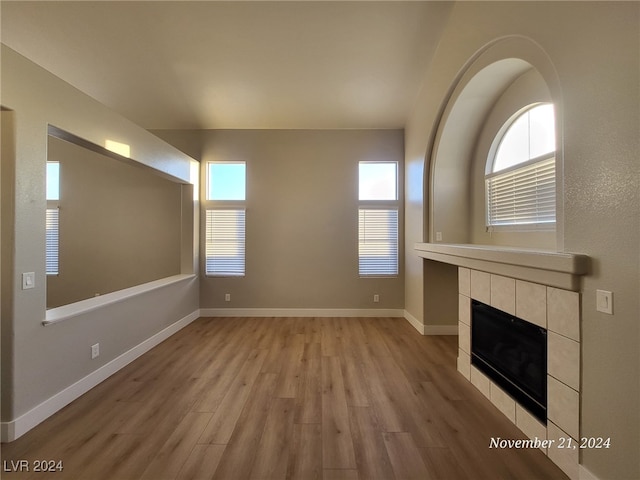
(384,204)
(52,240)
(396,184)
(208,180)
(513,171)
(224,205)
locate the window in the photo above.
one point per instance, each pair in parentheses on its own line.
(226,181)
(52,218)
(378,219)
(225,221)
(378,181)
(225,251)
(521,181)
(378,241)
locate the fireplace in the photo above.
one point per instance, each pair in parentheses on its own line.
(513,353)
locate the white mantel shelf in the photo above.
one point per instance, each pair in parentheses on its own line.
(561,270)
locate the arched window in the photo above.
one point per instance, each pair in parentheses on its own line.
(521,171)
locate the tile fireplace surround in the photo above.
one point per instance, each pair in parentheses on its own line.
(540,288)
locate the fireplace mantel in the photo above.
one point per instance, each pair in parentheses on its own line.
(561,270)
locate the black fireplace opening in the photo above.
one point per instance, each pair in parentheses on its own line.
(512,353)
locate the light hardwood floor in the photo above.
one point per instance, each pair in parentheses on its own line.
(276,398)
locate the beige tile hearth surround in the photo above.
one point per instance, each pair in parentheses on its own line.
(556,310)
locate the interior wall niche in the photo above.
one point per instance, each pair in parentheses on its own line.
(455,145)
(528,89)
(508,73)
(120,222)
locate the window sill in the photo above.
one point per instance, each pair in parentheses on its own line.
(65,312)
(531,227)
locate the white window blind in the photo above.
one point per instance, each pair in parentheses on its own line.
(52,241)
(225,242)
(523,196)
(378,241)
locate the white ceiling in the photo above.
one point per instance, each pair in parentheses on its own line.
(236,64)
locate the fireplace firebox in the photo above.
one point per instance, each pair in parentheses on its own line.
(513,353)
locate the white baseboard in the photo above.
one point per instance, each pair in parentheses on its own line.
(301,312)
(14,429)
(415,323)
(430,329)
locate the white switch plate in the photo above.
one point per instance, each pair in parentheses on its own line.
(227,297)
(28,280)
(95,351)
(376,298)
(604,301)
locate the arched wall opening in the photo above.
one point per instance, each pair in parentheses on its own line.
(501,78)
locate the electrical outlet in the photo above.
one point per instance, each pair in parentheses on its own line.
(227,297)
(376,298)
(95,351)
(438,236)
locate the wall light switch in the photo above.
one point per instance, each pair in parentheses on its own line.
(604,301)
(227,297)
(28,280)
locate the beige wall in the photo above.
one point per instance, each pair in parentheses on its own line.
(7,191)
(119,226)
(594,51)
(302,217)
(40,362)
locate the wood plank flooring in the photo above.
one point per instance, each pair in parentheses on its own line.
(283,398)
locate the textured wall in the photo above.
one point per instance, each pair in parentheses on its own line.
(302,217)
(595,85)
(43,361)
